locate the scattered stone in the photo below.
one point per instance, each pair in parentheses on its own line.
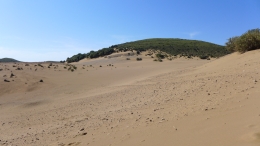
(85,133)
(81,129)
(41,80)
(6,80)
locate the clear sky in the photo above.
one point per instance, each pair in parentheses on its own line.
(41,30)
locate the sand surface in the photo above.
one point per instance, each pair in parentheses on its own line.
(118,102)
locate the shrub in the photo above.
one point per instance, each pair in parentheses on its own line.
(159,55)
(203,57)
(40,65)
(230,45)
(246,42)
(127,58)
(139,59)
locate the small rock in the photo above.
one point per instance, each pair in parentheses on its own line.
(6,80)
(81,129)
(41,80)
(85,133)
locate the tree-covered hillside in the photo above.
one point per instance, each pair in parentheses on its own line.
(8,60)
(177,47)
(189,48)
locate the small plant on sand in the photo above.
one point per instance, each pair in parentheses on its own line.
(159,55)
(40,65)
(127,58)
(139,59)
(74,67)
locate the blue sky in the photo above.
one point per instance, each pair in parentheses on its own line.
(40,30)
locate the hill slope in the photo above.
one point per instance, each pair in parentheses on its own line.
(182,47)
(177,47)
(8,60)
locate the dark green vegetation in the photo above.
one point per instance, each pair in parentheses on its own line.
(177,47)
(246,42)
(182,47)
(8,60)
(91,54)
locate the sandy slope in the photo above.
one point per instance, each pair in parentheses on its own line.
(179,102)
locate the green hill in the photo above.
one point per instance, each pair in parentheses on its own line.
(183,47)
(8,60)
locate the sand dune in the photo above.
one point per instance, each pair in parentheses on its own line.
(114,101)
